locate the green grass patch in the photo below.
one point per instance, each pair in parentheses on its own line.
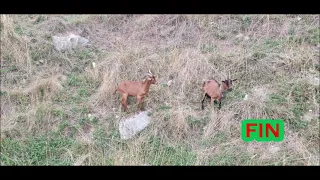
(220,137)
(3,93)
(163,108)
(36,150)
(314,36)
(159,153)
(229,157)
(10,69)
(18,30)
(290,102)
(206,48)
(245,22)
(198,123)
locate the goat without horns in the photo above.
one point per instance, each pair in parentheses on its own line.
(214,90)
(139,89)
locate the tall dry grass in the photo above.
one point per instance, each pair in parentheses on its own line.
(264,52)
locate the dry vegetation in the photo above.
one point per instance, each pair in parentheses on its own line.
(57,109)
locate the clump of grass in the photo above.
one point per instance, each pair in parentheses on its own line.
(40,89)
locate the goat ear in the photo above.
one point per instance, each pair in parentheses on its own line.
(234,79)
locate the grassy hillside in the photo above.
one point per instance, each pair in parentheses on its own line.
(58,109)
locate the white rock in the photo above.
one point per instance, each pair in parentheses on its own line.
(239,35)
(273,149)
(93,65)
(245,97)
(131,126)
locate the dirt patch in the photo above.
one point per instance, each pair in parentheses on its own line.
(259,93)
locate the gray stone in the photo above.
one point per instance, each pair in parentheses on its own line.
(69,42)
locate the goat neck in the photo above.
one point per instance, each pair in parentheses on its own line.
(146,85)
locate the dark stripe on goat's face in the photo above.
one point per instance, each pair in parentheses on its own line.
(228,83)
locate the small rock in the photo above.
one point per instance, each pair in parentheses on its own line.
(93,65)
(246,38)
(314,80)
(41,61)
(239,35)
(91,117)
(310,110)
(37,63)
(169,83)
(245,97)
(298,18)
(273,149)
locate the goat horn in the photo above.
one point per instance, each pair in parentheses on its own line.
(150,72)
(224,75)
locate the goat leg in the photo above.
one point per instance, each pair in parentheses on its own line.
(204,96)
(219,103)
(138,103)
(123,102)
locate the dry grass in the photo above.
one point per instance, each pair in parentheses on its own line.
(66,97)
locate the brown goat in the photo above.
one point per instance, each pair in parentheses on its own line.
(133,88)
(212,89)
